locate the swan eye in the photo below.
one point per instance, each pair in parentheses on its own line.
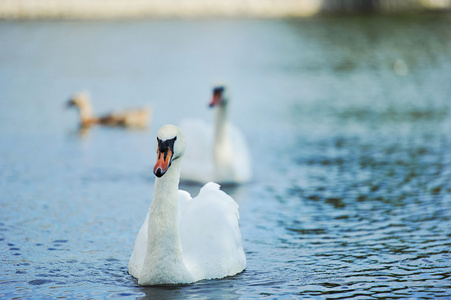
(218,96)
(218,92)
(163,146)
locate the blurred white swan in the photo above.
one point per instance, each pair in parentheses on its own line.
(127,118)
(185,239)
(218,153)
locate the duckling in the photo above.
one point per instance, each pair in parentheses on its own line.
(128,118)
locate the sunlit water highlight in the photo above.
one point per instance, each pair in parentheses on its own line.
(349,123)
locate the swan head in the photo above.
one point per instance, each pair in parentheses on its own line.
(220,95)
(170,145)
(80,100)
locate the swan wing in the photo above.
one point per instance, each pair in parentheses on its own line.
(210,236)
(198,158)
(183,200)
(139,251)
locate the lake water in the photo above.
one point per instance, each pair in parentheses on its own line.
(349,124)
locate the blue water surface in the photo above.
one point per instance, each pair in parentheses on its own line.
(349,124)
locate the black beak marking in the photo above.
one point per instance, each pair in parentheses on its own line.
(158,173)
(164,145)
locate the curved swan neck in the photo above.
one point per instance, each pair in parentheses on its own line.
(86,111)
(222,148)
(163,262)
(164,209)
(221,123)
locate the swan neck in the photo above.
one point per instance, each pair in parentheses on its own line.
(166,187)
(222,148)
(163,262)
(221,123)
(163,228)
(86,111)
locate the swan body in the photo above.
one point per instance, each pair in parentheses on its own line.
(185,239)
(218,153)
(127,118)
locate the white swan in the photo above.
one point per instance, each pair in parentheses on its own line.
(217,154)
(185,239)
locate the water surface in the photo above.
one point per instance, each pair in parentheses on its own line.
(348,120)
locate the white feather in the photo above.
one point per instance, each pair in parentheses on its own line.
(186,239)
(215,153)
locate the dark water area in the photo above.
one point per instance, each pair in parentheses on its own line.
(349,124)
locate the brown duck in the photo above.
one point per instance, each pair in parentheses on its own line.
(138,118)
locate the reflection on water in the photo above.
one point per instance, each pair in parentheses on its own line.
(223,289)
(348,120)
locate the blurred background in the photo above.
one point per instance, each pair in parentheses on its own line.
(345,105)
(195,8)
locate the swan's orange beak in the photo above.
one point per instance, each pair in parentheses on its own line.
(163,162)
(217,96)
(215,99)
